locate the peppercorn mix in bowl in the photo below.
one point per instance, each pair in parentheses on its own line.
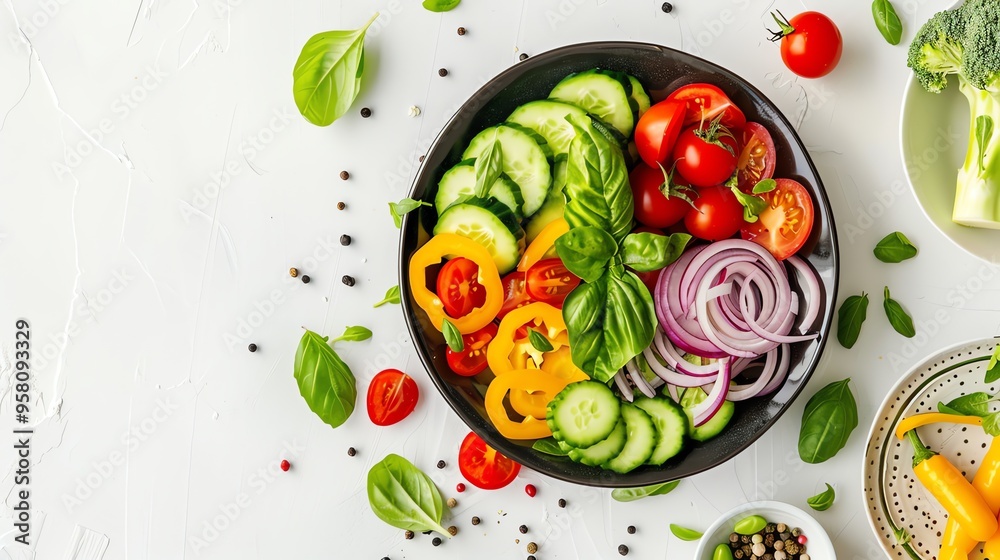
(775,530)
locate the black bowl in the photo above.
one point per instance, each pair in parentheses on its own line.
(661,70)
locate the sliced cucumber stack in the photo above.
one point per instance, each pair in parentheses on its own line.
(712,428)
(490,223)
(672,427)
(552,208)
(640,96)
(524,162)
(603,451)
(603,93)
(548,119)
(583,414)
(459,183)
(639,443)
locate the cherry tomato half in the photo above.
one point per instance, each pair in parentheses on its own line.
(392,395)
(515,293)
(459,288)
(550,282)
(716,215)
(811,44)
(652,207)
(784,226)
(472,359)
(657,131)
(705,102)
(757,156)
(484,466)
(702,162)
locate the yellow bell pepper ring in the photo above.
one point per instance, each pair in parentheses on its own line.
(544,245)
(507,352)
(433,252)
(920,420)
(529,380)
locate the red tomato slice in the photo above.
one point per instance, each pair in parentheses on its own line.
(716,215)
(705,102)
(515,293)
(657,131)
(459,288)
(550,282)
(484,466)
(392,396)
(757,156)
(652,207)
(472,359)
(784,226)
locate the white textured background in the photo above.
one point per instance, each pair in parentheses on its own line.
(158,183)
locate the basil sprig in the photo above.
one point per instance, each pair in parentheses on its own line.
(850,318)
(391,296)
(327,76)
(898,317)
(441,5)
(887,21)
(325,381)
(549,446)
(538,341)
(403,207)
(403,496)
(827,422)
(633,494)
(993,367)
(452,336)
(685,534)
(976,404)
(894,248)
(489,166)
(823,500)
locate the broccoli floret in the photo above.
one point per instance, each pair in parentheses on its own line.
(966,43)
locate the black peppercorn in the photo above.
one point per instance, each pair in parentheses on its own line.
(305,279)
(524,56)
(385,558)
(562,503)
(630,529)
(341,206)
(345,240)
(476,520)
(252,347)
(441,464)
(408,535)
(421,159)
(523,529)
(462,31)
(623,550)
(443,72)
(530,557)
(365,112)
(345,175)
(436,541)
(351,452)
(347,280)
(667,7)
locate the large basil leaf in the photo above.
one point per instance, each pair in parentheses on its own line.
(327,75)
(609,322)
(585,251)
(325,381)
(827,422)
(597,190)
(645,252)
(403,496)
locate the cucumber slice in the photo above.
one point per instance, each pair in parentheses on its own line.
(552,208)
(491,224)
(672,427)
(640,443)
(639,95)
(602,93)
(459,183)
(548,119)
(713,427)
(524,161)
(583,414)
(603,451)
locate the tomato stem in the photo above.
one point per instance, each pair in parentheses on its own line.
(783,24)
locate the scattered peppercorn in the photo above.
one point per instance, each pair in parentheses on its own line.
(436,541)
(351,452)
(421,159)
(452,502)
(523,529)
(562,503)
(630,530)
(341,206)
(305,279)
(443,72)
(365,112)
(285,465)
(530,490)
(385,558)
(345,175)
(345,240)
(530,557)
(667,7)
(460,487)
(462,31)
(524,56)
(252,347)
(347,280)
(408,535)
(623,550)
(532,548)
(802,539)
(293,272)
(476,520)
(441,464)
(453,530)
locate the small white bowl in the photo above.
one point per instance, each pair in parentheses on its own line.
(818,546)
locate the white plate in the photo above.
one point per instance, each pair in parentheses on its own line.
(893,499)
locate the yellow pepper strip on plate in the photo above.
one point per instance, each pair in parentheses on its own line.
(920,420)
(529,380)
(508,351)
(433,252)
(558,363)
(544,245)
(955,494)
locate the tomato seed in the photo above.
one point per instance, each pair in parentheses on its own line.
(530,490)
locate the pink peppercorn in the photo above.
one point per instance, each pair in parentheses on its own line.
(285,465)
(530,490)
(803,539)
(460,487)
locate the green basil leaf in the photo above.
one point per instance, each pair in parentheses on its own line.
(609,322)
(945,409)
(354,334)
(765,186)
(993,367)
(895,248)
(991,424)
(585,251)
(489,166)
(327,75)
(646,252)
(851,316)
(325,381)
(752,205)
(538,341)
(887,21)
(984,134)
(827,422)
(633,494)
(685,534)
(404,497)
(750,525)
(391,296)
(403,207)
(452,336)
(823,500)
(440,5)
(898,317)
(597,191)
(973,404)
(549,446)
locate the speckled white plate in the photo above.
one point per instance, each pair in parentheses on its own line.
(893,498)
